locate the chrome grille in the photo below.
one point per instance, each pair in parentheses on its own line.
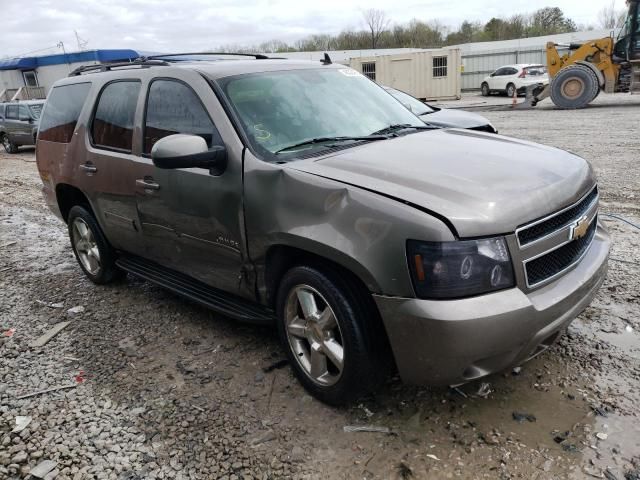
(552,245)
(541,228)
(550,265)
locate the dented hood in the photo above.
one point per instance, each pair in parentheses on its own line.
(483,184)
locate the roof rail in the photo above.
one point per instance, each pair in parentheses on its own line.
(105,67)
(257,56)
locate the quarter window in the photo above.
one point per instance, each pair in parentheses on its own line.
(172,108)
(112,125)
(61,112)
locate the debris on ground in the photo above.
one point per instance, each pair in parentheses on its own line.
(366,428)
(21,424)
(516,370)
(484,390)
(9,333)
(522,417)
(602,436)
(43,469)
(432,456)
(51,305)
(48,335)
(76,310)
(48,390)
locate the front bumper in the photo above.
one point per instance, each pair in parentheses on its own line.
(456,341)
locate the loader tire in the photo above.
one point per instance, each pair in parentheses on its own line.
(574,87)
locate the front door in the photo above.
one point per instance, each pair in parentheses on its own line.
(18,124)
(191,220)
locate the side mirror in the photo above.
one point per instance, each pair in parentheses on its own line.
(188,151)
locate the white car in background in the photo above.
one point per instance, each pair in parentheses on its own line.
(514,78)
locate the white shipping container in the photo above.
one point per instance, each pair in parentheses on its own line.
(428,74)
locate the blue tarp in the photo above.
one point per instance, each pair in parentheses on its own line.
(30,63)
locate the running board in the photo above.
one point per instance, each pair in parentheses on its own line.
(222,302)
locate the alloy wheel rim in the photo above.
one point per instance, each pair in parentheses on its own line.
(314,335)
(86,246)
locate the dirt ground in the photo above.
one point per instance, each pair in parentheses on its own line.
(161,388)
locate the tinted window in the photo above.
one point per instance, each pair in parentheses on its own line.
(172,107)
(61,112)
(112,125)
(12,112)
(24,112)
(512,71)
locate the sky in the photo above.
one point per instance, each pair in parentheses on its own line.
(194,25)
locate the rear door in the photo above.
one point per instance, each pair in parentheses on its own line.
(108,170)
(191,220)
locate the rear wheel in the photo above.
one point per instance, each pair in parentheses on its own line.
(8,145)
(511,90)
(486,91)
(92,250)
(574,87)
(327,329)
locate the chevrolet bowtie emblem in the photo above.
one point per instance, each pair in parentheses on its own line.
(580,228)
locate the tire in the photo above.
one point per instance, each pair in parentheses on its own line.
(486,91)
(574,87)
(511,90)
(92,250)
(340,322)
(8,145)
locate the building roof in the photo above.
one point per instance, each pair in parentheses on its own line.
(30,63)
(532,42)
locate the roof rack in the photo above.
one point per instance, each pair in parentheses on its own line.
(105,67)
(257,56)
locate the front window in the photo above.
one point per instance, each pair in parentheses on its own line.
(280,109)
(412,103)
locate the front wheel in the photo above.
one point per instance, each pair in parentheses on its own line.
(329,334)
(92,250)
(8,144)
(574,87)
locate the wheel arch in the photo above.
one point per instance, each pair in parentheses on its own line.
(281,257)
(599,74)
(68,196)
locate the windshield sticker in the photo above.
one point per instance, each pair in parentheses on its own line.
(348,72)
(262,133)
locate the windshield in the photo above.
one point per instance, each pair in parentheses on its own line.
(535,70)
(412,103)
(36,110)
(280,109)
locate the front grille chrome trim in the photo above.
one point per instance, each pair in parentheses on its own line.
(565,269)
(555,214)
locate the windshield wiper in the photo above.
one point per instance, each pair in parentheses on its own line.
(331,139)
(403,126)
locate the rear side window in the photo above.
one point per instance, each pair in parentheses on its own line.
(12,112)
(535,71)
(112,125)
(61,113)
(172,108)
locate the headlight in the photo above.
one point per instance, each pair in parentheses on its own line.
(459,269)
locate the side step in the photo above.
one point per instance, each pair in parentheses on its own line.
(218,300)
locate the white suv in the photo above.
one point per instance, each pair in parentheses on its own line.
(514,78)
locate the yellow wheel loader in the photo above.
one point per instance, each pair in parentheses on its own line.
(608,65)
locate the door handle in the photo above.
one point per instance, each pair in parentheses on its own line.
(89,168)
(147,184)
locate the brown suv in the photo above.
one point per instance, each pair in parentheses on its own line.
(304,195)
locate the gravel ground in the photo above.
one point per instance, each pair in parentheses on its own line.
(161,388)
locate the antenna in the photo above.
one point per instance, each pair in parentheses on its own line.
(82,43)
(326,60)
